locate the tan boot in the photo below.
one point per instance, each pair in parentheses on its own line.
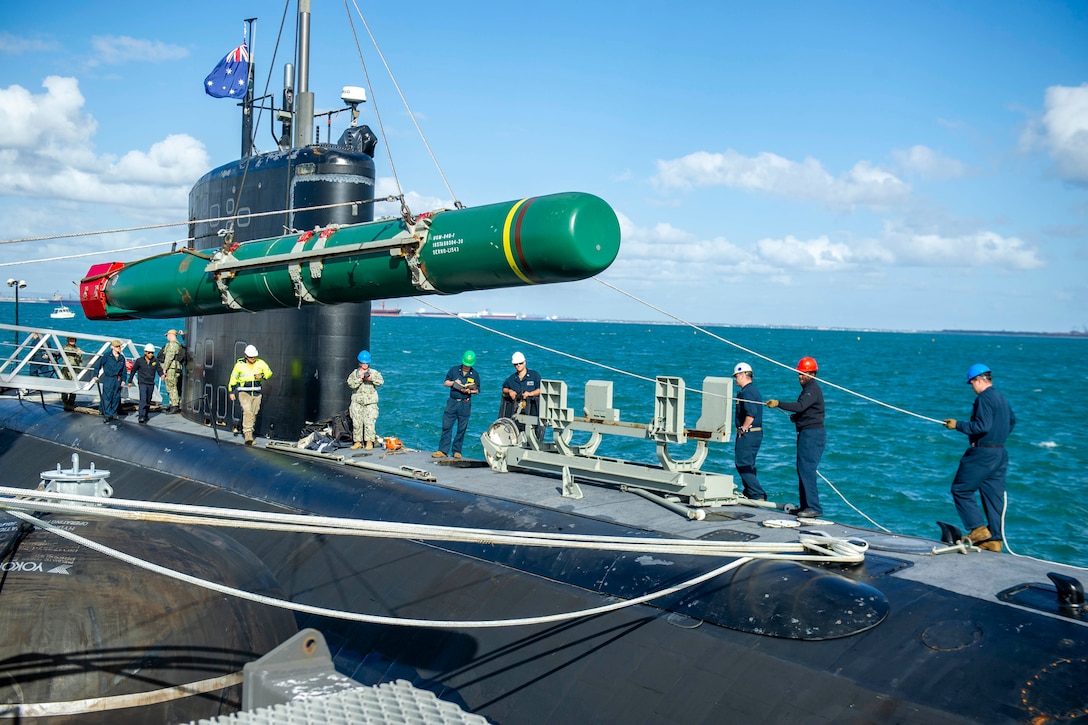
(356,446)
(980,534)
(991,545)
(369,445)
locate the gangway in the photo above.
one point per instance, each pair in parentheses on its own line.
(34,359)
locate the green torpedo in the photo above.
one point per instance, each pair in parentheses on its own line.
(538,240)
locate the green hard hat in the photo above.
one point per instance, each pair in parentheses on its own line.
(469,358)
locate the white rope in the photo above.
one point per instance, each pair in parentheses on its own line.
(90,254)
(118,702)
(847,502)
(373,618)
(294,523)
(761,356)
(538,346)
(210,220)
(408,108)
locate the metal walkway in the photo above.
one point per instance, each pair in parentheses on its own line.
(34,360)
(297,684)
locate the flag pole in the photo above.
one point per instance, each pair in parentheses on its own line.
(249,34)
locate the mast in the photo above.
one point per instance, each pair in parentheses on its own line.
(304,98)
(311,349)
(250,36)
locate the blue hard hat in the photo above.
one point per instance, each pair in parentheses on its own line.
(364,357)
(975,370)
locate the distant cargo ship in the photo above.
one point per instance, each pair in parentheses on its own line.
(487,315)
(424,312)
(384,311)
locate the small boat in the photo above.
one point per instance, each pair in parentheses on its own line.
(62,312)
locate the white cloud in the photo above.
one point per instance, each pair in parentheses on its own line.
(46,142)
(928,163)
(862,185)
(665,253)
(52,119)
(898,246)
(1063,131)
(385,186)
(117,49)
(177,159)
(980,248)
(818,254)
(15,45)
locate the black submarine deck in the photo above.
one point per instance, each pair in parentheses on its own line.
(977,637)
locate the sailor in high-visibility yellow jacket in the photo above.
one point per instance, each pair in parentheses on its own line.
(245,381)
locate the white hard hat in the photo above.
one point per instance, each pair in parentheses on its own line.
(742,368)
(250,351)
(149,347)
(517,358)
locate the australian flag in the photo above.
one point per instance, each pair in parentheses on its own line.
(231,77)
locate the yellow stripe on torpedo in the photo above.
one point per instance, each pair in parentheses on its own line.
(507,247)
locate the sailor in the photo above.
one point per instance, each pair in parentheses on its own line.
(520,391)
(246,379)
(172,367)
(983,465)
(364,383)
(74,364)
(41,365)
(146,371)
(808,418)
(463,381)
(110,370)
(749,421)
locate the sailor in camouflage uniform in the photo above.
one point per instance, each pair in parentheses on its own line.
(75,359)
(171,368)
(364,383)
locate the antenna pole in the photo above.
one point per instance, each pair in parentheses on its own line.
(249,34)
(304,99)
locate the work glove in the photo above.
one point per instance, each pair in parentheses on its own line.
(772,403)
(950,423)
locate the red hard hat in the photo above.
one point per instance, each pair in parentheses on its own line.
(807,365)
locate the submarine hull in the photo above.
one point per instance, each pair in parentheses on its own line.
(81,629)
(932,656)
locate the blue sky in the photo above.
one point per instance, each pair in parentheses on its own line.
(918,165)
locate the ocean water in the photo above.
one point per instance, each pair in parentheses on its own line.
(892,465)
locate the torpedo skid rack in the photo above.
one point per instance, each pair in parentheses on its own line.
(520,442)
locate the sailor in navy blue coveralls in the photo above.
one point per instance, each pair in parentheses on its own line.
(983,465)
(808,418)
(110,370)
(748,418)
(463,382)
